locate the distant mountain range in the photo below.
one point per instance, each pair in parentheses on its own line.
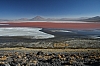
(39,18)
(93,19)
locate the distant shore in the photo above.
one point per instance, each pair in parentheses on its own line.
(46,21)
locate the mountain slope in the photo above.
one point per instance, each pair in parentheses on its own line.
(93,19)
(38,18)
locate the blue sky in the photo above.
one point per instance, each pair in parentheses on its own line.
(13,9)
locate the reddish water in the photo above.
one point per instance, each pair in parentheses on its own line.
(53,25)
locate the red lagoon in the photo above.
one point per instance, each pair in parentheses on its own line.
(52,25)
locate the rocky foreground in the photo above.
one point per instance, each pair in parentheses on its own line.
(45,57)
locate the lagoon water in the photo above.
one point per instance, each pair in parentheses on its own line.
(44,33)
(73,33)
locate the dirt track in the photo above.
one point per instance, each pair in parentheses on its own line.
(50,50)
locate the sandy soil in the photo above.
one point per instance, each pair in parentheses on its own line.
(53,25)
(50,50)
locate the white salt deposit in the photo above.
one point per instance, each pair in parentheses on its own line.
(4,24)
(46,21)
(60,31)
(24,31)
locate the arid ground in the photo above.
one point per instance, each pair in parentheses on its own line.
(49,50)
